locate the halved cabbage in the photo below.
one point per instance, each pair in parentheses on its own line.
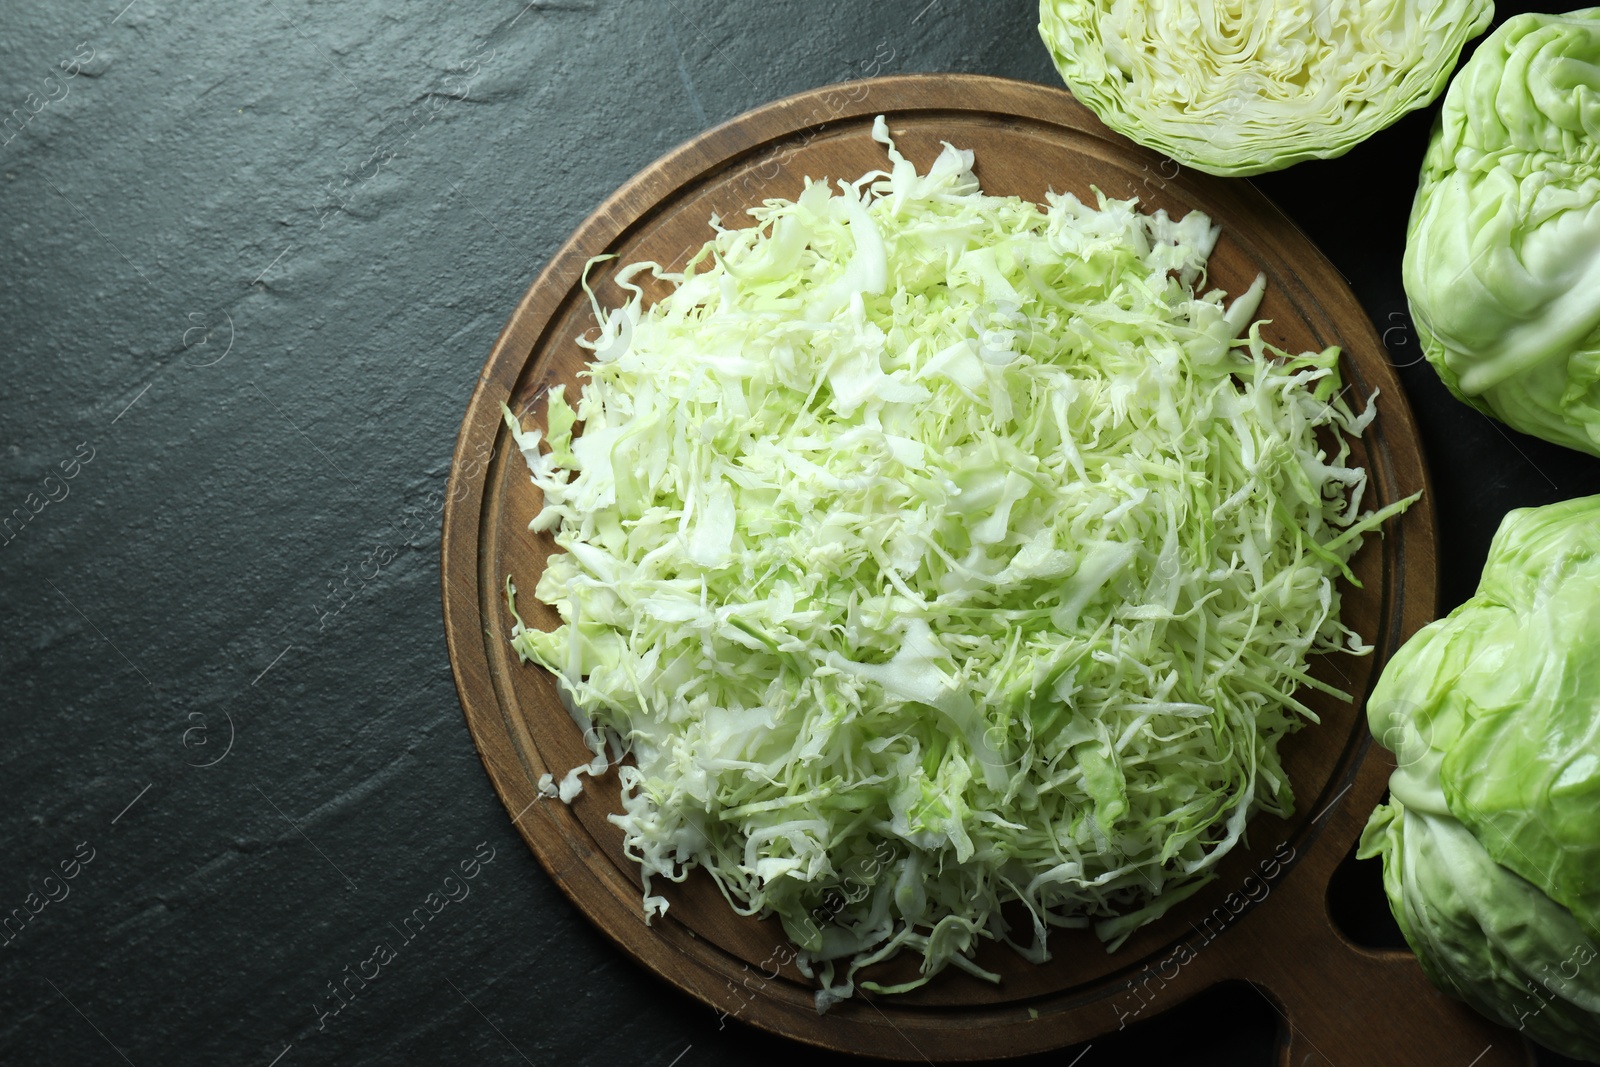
(1246,86)
(1502,264)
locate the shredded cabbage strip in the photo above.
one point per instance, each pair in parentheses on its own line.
(931,551)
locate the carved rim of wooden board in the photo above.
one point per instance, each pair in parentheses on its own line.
(1264,920)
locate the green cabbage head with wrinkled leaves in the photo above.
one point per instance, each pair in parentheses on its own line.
(1491,838)
(1502,263)
(1249,86)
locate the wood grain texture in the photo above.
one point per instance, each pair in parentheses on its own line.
(1264,920)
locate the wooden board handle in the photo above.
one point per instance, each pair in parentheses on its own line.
(1346,1006)
(1355,1007)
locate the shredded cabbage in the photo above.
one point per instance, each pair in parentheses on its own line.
(932,550)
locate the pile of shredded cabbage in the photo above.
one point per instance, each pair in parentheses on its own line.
(932,551)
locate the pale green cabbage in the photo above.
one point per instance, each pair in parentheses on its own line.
(1244,86)
(932,550)
(1491,842)
(1502,263)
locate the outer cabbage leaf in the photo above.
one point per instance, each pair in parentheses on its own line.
(1484,934)
(1492,715)
(1255,85)
(1502,262)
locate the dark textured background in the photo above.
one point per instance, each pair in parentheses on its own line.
(253,257)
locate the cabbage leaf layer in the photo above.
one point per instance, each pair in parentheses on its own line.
(1245,86)
(1502,261)
(1490,841)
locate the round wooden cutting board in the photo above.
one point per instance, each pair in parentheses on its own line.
(1264,920)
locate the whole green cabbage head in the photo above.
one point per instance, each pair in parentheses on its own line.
(1254,85)
(1491,841)
(1502,262)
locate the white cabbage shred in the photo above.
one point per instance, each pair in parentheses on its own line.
(931,551)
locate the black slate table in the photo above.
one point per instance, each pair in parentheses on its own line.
(252,258)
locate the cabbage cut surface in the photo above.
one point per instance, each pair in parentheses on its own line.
(1238,87)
